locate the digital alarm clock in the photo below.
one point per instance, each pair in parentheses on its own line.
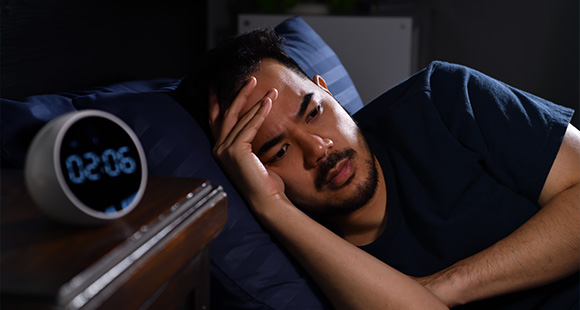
(86,167)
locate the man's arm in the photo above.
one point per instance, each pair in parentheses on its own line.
(543,250)
(349,277)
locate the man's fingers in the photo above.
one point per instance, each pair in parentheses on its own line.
(273,94)
(241,99)
(244,132)
(247,127)
(257,111)
(228,130)
(232,114)
(248,132)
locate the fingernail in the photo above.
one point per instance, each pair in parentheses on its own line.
(267,104)
(273,94)
(251,82)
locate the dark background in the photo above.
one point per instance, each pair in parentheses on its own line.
(50,46)
(529,44)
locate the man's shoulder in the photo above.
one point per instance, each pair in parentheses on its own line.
(434,75)
(418,83)
(444,76)
(444,67)
(438,83)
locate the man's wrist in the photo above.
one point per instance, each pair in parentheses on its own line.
(450,285)
(268,209)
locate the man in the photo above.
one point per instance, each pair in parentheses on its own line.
(476,184)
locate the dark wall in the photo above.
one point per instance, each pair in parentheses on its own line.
(530,44)
(50,46)
(533,45)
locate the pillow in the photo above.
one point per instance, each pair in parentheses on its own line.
(21,119)
(314,56)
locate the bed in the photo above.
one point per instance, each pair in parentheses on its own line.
(249,270)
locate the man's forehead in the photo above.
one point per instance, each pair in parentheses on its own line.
(273,75)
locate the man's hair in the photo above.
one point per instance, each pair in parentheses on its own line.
(226,68)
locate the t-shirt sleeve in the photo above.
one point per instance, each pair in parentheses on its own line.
(516,133)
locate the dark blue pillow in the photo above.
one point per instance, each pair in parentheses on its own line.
(21,119)
(314,56)
(173,143)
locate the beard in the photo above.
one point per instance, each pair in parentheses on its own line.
(362,194)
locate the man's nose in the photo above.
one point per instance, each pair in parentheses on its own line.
(315,149)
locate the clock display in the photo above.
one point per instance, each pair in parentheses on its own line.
(88,166)
(100,164)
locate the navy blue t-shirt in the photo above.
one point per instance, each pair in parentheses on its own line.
(465,158)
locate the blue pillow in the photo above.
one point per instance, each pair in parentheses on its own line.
(314,56)
(21,119)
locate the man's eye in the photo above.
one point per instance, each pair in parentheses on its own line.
(315,112)
(280,154)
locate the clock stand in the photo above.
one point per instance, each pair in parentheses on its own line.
(157,256)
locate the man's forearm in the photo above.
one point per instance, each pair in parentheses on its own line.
(543,250)
(350,277)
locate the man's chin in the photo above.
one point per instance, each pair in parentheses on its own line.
(346,198)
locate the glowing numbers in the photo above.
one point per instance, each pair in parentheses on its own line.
(92,167)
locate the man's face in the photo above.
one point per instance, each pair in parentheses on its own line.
(312,143)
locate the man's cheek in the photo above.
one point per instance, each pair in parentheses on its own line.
(294,191)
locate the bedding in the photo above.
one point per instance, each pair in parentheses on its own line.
(249,270)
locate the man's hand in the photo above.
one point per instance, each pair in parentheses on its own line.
(234,134)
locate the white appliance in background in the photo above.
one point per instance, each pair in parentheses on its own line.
(377,52)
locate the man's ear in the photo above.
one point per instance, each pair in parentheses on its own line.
(321,82)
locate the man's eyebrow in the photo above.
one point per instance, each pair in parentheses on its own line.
(304,105)
(270,144)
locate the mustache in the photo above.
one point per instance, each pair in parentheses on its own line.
(329,163)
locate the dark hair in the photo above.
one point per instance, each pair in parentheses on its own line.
(226,68)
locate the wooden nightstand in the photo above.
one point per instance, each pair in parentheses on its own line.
(155,257)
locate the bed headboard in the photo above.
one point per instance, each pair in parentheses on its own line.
(59,45)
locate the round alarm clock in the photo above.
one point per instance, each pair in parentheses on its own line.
(86,167)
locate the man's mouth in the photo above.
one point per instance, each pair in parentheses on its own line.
(337,170)
(340,174)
